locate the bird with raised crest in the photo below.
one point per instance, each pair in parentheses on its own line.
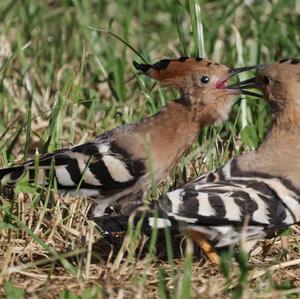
(252,196)
(114,167)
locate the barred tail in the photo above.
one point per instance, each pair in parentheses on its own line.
(10,176)
(150,219)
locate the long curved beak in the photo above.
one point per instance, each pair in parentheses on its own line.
(235,71)
(246,84)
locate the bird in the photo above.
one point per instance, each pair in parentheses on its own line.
(115,166)
(252,196)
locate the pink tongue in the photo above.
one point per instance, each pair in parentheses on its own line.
(221,84)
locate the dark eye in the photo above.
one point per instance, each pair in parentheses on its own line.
(204,79)
(265,80)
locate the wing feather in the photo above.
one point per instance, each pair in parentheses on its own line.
(93,165)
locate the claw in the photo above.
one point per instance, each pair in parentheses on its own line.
(205,246)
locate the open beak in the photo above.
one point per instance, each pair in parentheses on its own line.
(235,71)
(246,84)
(222,83)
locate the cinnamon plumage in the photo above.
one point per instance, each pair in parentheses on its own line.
(115,166)
(253,195)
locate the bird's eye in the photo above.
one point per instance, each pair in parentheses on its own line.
(265,79)
(204,79)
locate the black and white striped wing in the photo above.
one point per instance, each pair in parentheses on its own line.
(220,209)
(97,166)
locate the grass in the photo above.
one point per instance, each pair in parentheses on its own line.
(62,83)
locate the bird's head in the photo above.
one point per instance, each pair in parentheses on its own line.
(201,82)
(279,83)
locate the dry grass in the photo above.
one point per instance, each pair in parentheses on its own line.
(43,273)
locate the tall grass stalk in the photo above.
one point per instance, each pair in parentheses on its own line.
(240,59)
(197,27)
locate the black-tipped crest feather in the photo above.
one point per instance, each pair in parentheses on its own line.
(142,66)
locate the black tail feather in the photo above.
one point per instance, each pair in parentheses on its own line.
(15,172)
(154,216)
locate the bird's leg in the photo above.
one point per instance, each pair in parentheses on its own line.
(285,245)
(205,246)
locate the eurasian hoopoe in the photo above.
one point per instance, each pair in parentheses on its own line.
(115,165)
(251,196)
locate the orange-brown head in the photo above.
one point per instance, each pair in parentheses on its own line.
(187,73)
(202,83)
